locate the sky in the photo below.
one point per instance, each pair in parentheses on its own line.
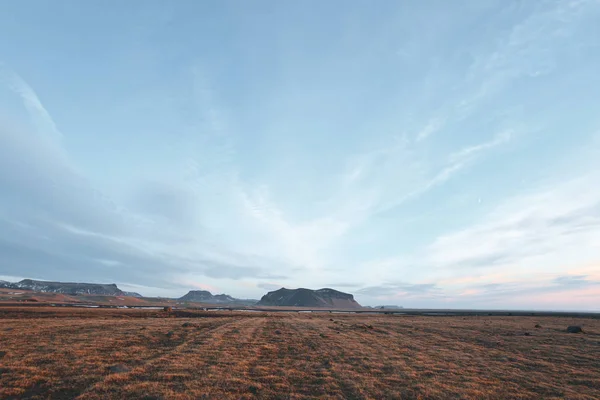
(427,154)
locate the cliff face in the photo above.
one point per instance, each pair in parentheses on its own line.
(69,288)
(322,298)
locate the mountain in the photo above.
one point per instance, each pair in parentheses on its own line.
(204,296)
(328,298)
(69,288)
(198,296)
(224,298)
(389,307)
(132,294)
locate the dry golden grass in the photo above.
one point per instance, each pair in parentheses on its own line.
(125,354)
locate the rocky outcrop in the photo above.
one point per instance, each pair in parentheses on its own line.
(574,329)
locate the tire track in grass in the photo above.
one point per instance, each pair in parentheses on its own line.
(148,369)
(320,359)
(229,356)
(460,354)
(74,353)
(209,362)
(351,347)
(267,369)
(296,356)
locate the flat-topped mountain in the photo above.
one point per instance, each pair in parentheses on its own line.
(199,296)
(204,296)
(326,298)
(69,288)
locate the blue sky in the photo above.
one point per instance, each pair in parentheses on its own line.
(426,154)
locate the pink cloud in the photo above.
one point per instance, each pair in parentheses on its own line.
(576,298)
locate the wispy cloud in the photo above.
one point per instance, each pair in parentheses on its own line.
(401,291)
(531,48)
(544,292)
(90,237)
(430,128)
(456,162)
(470,152)
(323,160)
(36,109)
(537,231)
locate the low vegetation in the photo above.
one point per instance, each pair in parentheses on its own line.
(99,354)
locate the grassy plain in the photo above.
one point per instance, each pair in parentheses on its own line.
(64,353)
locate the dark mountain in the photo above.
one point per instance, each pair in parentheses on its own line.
(224,298)
(199,296)
(204,296)
(69,288)
(132,294)
(327,298)
(389,307)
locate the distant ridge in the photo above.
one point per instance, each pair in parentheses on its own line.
(322,298)
(70,288)
(204,296)
(132,294)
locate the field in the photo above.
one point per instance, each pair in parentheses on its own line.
(111,353)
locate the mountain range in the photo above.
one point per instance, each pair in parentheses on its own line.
(204,296)
(322,298)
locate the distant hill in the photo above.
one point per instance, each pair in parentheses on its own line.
(132,294)
(69,288)
(199,296)
(326,298)
(204,296)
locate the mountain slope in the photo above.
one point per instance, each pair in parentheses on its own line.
(322,298)
(199,296)
(132,294)
(204,296)
(69,288)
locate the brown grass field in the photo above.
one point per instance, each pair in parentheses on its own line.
(64,353)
